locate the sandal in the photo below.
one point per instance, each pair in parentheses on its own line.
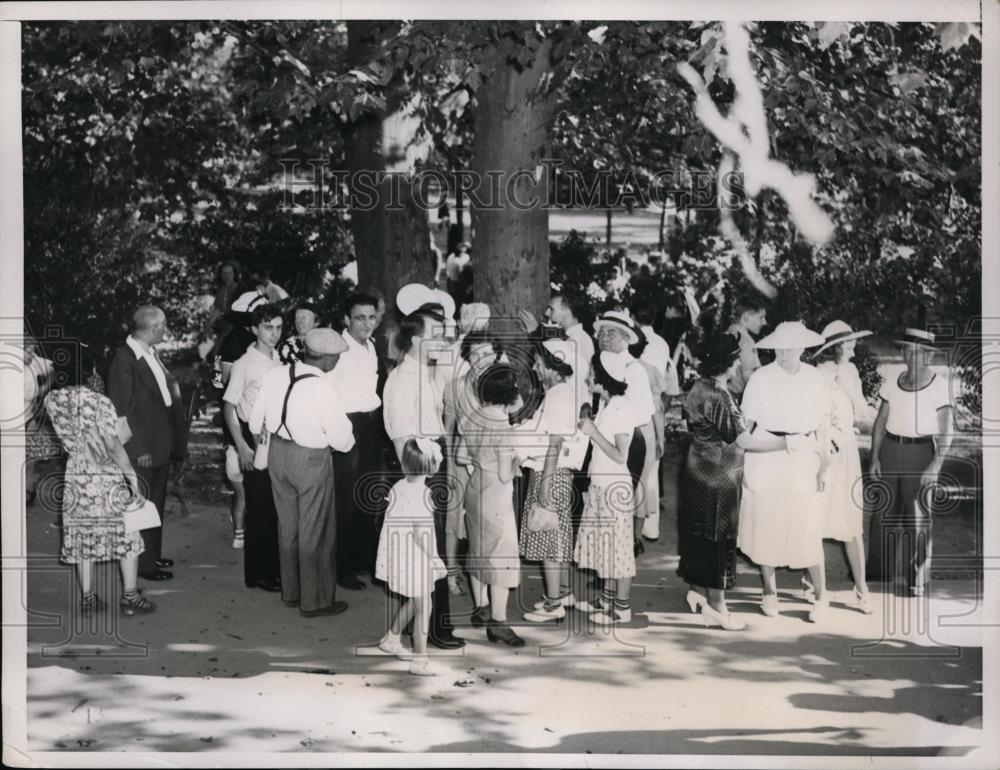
(140,605)
(91,605)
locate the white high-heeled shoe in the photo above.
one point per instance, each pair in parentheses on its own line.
(694,601)
(861,603)
(712,617)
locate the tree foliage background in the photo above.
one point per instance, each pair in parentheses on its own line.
(152,149)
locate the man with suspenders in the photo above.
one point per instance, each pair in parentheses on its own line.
(301,415)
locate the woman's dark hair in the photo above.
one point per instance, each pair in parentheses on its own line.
(636,350)
(71,364)
(498,385)
(412,325)
(478,337)
(718,354)
(601,377)
(230,263)
(563,368)
(831,353)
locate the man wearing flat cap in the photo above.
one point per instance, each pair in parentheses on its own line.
(299,412)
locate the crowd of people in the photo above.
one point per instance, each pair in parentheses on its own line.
(451,453)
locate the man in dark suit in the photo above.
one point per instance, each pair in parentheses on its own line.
(148,399)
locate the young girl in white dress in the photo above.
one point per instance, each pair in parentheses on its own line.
(407,558)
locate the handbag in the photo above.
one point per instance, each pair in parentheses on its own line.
(260,452)
(541,519)
(140,516)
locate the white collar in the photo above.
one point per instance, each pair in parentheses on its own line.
(351,342)
(137,347)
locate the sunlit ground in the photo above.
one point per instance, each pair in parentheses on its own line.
(227,669)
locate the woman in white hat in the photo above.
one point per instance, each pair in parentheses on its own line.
(781,512)
(910,437)
(843,493)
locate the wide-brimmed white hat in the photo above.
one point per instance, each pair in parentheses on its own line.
(564,350)
(618,320)
(414,296)
(836,332)
(444,299)
(917,337)
(789,335)
(614,364)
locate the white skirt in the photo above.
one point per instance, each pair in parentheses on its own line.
(781,511)
(408,569)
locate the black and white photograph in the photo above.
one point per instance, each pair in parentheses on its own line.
(561,384)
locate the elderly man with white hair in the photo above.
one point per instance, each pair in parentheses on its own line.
(147,400)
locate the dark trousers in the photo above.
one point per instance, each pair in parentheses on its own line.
(441,624)
(900,537)
(302,482)
(153,485)
(260,552)
(357,511)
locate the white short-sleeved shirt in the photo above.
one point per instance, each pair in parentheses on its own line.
(640,392)
(616,416)
(559,417)
(355,377)
(789,403)
(315,419)
(246,378)
(914,413)
(584,344)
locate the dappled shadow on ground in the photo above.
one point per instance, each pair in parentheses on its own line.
(221,667)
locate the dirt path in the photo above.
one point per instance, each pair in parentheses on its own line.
(222,668)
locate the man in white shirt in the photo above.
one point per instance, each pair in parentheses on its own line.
(258,531)
(412,407)
(657,355)
(563,311)
(355,378)
(304,421)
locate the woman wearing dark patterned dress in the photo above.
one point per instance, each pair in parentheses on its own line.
(710,486)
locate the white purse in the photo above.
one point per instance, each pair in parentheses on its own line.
(141,516)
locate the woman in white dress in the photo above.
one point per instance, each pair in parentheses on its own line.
(843,494)
(781,511)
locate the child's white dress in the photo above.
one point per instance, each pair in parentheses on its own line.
(407,557)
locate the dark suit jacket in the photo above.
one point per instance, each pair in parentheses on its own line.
(157,430)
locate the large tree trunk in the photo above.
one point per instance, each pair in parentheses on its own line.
(510,250)
(392,247)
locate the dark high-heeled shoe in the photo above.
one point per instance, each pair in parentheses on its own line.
(638,548)
(501,632)
(481,616)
